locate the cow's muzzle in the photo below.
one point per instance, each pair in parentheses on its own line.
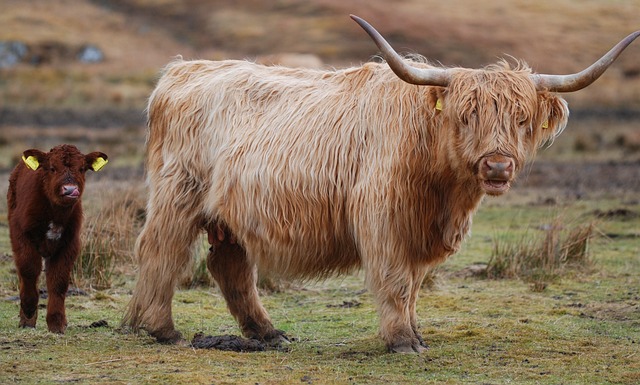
(70,191)
(496,173)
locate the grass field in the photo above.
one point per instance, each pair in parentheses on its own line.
(583,328)
(575,326)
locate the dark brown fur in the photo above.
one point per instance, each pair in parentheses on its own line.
(45,216)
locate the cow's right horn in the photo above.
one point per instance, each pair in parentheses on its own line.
(580,80)
(413,75)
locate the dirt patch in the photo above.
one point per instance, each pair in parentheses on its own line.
(619,214)
(6,345)
(611,311)
(97,324)
(347,304)
(474,270)
(73,291)
(227,343)
(582,177)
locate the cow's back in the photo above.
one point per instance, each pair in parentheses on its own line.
(276,153)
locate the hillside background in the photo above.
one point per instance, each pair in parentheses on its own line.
(50,88)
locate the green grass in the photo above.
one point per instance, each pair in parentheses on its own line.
(582,329)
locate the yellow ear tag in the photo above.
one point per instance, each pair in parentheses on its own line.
(439,105)
(31,162)
(99,163)
(545,124)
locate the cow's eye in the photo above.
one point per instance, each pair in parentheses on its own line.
(52,169)
(522,121)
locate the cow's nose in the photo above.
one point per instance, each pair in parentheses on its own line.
(70,190)
(498,169)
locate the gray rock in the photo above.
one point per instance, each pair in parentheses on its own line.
(90,54)
(12,53)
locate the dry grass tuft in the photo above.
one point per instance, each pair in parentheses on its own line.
(197,275)
(541,258)
(108,239)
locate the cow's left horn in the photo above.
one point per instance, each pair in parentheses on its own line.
(580,80)
(413,75)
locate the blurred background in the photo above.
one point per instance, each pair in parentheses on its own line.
(80,71)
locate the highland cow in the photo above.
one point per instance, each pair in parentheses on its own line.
(45,215)
(311,173)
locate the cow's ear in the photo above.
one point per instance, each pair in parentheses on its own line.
(552,115)
(34,159)
(96,160)
(554,112)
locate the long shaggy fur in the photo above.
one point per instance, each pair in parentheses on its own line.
(320,172)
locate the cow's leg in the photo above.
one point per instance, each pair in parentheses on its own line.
(393,288)
(418,277)
(163,249)
(58,273)
(28,265)
(236,277)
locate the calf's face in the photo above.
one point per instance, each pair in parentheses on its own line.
(62,170)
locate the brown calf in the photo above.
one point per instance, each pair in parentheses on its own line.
(45,215)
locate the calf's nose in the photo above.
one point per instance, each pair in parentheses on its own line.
(70,190)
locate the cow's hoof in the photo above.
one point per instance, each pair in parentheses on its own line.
(277,340)
(172,337)
(415,347)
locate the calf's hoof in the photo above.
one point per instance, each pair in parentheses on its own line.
(56,323)
(58,329)
(28,322)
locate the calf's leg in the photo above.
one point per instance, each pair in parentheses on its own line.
(58,274)
(237,277)
(28,266)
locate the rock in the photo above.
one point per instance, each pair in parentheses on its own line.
(12,53)
(90,54)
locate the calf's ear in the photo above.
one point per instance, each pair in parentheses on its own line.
(34,159)
(96,160)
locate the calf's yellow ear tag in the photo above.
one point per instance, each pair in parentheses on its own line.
(439,105)
(98,164)
(31,162)
(545,124)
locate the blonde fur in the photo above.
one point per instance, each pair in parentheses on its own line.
(319,172)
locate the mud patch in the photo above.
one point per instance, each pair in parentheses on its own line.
(621,214)
(347,304)
(611,311)
(73,291)
(478,269)
(96,324)
(6,345)
(227,343)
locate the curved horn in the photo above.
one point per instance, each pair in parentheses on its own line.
(413,75)
(580,80)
